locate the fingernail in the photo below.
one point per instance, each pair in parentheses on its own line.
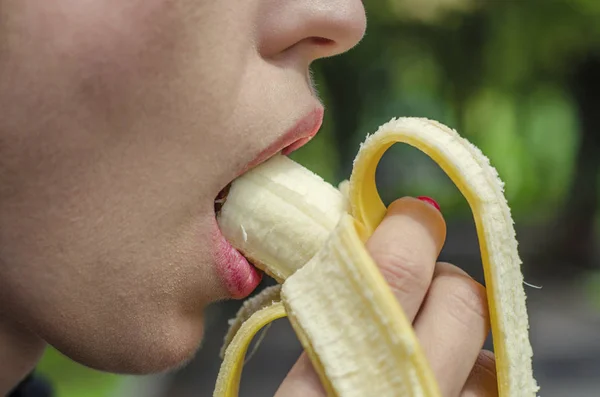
(430,201)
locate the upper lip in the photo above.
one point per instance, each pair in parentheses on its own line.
(302,132)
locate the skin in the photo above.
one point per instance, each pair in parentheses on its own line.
(121,121)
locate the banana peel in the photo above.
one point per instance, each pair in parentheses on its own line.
(342,310)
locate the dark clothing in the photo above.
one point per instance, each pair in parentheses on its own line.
(32,386)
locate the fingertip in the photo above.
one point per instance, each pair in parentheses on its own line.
(430,201)
(423,212)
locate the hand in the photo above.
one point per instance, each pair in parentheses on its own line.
(447,307)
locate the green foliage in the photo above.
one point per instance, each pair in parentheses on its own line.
(495,71)
(70,379)
(530,140)
(320,154)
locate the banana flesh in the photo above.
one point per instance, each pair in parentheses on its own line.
(311,236)
(279,214)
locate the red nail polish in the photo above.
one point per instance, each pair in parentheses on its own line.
(430,201)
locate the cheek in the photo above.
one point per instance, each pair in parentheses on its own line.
(154,78)
(136,307)
(106,231)
(174,50)
(128,47)
(168,73)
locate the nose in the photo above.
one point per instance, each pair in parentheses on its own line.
(313,28)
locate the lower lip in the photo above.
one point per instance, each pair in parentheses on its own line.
(239,276)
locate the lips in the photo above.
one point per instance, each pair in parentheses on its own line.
(238,275)
(293,139)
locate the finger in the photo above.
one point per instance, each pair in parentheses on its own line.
(482,381)
(452,326)
(405,246)
(301,381)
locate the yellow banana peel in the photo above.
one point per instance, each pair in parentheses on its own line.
(311,236)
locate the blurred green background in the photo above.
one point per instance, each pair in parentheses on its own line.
(518,78)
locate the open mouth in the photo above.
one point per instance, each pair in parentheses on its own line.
(218,206)
(221,198)
(239,274)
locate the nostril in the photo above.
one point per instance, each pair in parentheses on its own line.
(322,41)
(315,29)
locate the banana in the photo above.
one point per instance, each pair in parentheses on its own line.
(311,238)
(279,214)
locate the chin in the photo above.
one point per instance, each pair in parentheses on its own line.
(157,357)
(138,350)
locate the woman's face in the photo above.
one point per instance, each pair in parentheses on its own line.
(121,121)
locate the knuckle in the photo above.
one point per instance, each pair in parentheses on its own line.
(467,298)
(487,361)
(483,379)
(403,274)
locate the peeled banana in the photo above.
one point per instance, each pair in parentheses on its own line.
(310,236)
